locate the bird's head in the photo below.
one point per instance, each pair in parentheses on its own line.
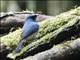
(32,17)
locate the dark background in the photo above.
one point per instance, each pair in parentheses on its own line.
(50,7)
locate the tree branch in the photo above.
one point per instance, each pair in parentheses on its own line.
(59,52)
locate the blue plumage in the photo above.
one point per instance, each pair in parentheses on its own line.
(29,28)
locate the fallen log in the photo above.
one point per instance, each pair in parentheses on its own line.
(70,29)
(69,50)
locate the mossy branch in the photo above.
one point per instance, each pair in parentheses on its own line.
(51,39)
(45,31)
(59,52)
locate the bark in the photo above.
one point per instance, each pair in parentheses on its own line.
(63,51)
(11,21)
(4,50)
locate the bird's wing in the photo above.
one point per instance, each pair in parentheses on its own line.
(29,30)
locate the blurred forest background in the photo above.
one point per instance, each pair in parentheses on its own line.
(50,33)
(49,7)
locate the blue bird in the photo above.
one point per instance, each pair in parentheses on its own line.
(29,28)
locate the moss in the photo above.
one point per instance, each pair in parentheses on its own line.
(11,39)
(45,30)
(52,24)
